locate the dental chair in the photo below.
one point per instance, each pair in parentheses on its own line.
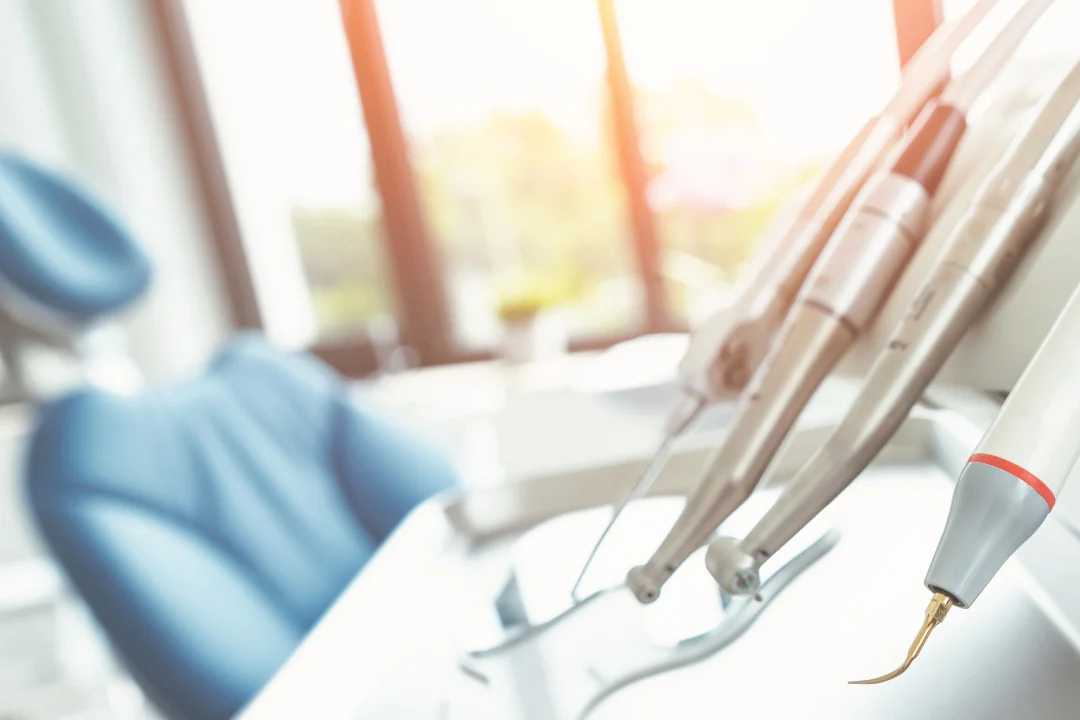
(207,524)
(65,264)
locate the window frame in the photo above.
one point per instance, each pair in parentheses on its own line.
(413,257)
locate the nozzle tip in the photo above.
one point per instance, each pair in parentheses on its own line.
(732,567)
(935,614)
(644,586)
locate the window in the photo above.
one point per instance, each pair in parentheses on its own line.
(739,105)
(507,139)
(505,108)
(288,117)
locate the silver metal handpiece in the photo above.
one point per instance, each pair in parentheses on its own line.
(872,246)
(723,356)
(727,349)
(980,253)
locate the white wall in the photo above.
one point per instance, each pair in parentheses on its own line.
(27,120)
(82,87)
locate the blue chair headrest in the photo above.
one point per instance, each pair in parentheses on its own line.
(61,249)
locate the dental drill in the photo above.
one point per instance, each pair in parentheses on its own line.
(855,274)
(1010,483)
(1004,217)
(728,349)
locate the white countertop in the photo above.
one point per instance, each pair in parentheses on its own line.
(501,422)
(389,647)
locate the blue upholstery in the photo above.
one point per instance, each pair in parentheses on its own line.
(210,524)
(60,249)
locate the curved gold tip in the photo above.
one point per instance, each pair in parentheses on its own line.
(935,614)
(887,676)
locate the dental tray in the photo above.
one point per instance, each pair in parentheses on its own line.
(464,572)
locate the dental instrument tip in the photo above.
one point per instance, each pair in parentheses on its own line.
(935,614)
(643,582)
(644,481)
(684,415)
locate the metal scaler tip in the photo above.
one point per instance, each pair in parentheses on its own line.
(935,614)
(683,417)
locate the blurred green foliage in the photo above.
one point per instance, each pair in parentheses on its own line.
(519,188)
(524,297)
(542,213)
(341,252)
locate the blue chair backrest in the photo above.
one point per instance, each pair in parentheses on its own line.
(60,249)
(210,524)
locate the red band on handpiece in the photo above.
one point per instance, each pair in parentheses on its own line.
(1018,472)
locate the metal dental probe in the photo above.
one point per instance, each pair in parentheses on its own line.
(1012,480)
(686,414)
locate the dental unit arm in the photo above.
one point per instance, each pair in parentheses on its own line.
(1004,217)
(855,274)
(726,351)
(1011,481)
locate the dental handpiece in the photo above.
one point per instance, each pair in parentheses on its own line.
(1012,480)
(850,282)
(725,353)
(982,250)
